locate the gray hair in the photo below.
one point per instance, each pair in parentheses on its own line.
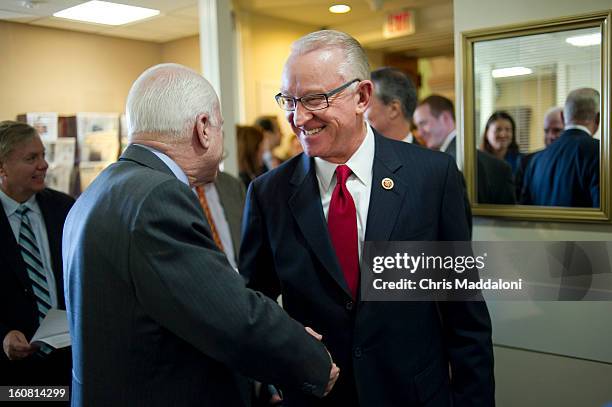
(355,64)
(581,106)
(553,110)
(166,99)
(392,84)
(12,134)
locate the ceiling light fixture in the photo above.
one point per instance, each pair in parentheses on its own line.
(584,40)
(104,12)
(513,71)
(339,9)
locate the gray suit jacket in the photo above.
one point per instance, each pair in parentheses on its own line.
(156,314)
(232,195)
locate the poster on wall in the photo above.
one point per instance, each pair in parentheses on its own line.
(45,124)
(98,143)
(59,154)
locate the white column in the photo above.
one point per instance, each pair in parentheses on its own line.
(218,61)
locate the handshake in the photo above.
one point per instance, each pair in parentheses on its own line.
(335,370)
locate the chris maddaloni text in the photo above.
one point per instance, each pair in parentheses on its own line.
(456,284)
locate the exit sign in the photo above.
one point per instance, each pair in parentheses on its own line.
(399,23)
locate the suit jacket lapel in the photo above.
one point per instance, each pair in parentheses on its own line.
(11,251)
(53,224)
(385,204)
(305,204)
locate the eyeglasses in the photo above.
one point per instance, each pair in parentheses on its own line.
(315,101)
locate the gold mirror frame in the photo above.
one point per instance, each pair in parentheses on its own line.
(564,214)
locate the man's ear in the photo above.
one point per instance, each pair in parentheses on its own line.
(202,130)
(395,109)
(364,90)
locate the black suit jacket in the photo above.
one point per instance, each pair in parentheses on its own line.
(566,173)
(157,315)
(18,302)
(389,353)
(495,184)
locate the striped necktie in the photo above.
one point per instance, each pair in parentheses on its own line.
(36,271)
(34,265)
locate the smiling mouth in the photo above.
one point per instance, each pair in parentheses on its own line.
(312,132)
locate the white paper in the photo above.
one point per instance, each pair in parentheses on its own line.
(53,330)
(45,124)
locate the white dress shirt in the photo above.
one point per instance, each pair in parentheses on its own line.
(579,127)
(359,183)
(218,215)
(448,140)
(40,232)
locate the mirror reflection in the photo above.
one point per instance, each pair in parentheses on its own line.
(537,101)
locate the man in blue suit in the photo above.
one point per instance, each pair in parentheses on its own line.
(567,172)
(305,223)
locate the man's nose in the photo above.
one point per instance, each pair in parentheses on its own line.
(301,115)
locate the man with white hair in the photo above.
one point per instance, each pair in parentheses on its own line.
(157,315)
(306,221)
(566,173)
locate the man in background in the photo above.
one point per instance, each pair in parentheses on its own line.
(157,315)
(272,139)
(553,127)
(31,281)
(566,173)
(392,105)
(435,119)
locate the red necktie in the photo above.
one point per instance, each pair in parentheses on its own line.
(342,225)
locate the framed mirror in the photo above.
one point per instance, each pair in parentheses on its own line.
(521,160)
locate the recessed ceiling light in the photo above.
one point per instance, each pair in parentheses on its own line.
(584,40)
(514,71)
(104,12)
(339,9)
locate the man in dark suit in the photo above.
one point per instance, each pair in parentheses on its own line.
(31,281)
(392,105)
(157,315)
(306,221)
(553,127)
(566,173)
(435,119)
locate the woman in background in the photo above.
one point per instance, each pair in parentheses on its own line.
(499,139)
(250,153)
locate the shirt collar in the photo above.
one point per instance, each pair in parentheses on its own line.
(360,163)
(451,136)
(174,167)
(11,206)
(409,138)
(578,127)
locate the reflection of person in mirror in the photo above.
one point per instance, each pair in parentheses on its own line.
(566,173)
(499,139)
(435,119)
(553,127)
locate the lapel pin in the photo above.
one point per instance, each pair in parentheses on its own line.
(387,183)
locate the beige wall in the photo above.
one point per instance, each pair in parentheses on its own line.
(184,51)
(535,378)
(265,45)
(46,69)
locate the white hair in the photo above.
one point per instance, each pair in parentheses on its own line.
(166,99)
(553,111)
(355,64)
(581,106)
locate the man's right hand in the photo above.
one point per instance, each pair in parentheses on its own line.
(16,346)
(335,370)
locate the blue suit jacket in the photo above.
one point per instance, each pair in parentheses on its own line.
(389,353)
(564,174)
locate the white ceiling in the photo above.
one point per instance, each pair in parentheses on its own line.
(179,18)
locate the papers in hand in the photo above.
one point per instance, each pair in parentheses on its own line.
(53,330)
